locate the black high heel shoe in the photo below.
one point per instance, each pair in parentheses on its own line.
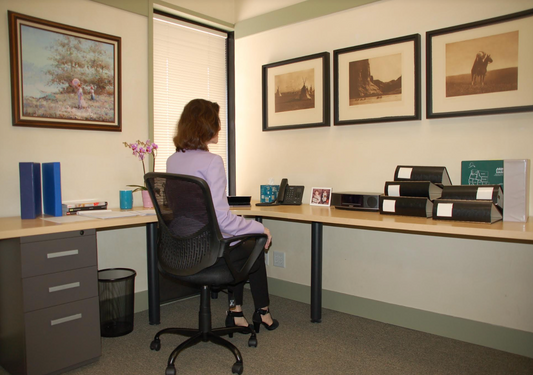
(258,321)
(230,322)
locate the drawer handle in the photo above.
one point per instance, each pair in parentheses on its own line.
(62,254)
(64,287)
(65,319)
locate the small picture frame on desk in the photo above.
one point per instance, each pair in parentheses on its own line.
(320,196)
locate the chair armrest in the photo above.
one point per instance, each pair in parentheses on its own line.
(231,243)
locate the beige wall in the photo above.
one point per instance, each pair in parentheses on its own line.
(94,164)
(477,280)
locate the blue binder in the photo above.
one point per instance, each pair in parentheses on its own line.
(52,189)
(30,190)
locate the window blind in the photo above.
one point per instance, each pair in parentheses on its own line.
(189,63)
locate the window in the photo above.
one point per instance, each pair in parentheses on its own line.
(189,63)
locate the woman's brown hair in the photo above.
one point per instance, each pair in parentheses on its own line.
(198,124)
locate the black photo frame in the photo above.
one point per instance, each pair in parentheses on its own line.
(296,93)
(377,82)
(480,68)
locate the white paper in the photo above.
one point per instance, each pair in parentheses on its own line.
(393,190)
(405,172)
(484,193)
(389,205)
(108,215)
(145,212)
(444,209)
(67,219)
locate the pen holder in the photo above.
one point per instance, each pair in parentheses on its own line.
(269,193)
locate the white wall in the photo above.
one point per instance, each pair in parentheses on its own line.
(478,280)
(94,164)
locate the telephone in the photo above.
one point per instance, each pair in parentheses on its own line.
(289,195)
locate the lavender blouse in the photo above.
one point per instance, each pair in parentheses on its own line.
(210,167)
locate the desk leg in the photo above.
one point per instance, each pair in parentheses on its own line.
(316,272)
(153,274)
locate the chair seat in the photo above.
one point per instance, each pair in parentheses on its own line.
(216,275)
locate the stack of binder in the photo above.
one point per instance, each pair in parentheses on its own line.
(477,203)
(413,190)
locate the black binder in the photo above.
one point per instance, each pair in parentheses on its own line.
(492,193)
(426,189)
(406,206)
(437,175)
(463,210)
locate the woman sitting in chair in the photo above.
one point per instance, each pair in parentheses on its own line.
(198,127)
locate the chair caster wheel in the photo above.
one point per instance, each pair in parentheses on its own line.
(155,345)
(237,368)
(171,370)
(252,342)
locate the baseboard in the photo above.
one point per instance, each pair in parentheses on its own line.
(484,334)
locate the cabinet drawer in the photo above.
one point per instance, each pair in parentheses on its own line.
(59,288)
(62,336)
(40,258)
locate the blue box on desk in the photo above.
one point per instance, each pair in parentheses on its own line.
(269,193)
(30,190)
(52,189)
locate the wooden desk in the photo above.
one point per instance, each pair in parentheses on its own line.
(13,227)
(318,216)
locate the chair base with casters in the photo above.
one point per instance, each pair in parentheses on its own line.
(204,333)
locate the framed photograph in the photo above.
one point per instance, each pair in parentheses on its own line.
(320,196)
(481,68)
(377,82)
(63,76)
(296,93)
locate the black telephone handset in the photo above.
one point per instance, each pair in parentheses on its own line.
(288,195)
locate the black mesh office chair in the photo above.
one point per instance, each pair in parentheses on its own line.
(192,249)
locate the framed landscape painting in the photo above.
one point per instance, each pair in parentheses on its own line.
(481,68)
(63,76)
(296,93)
(378,82)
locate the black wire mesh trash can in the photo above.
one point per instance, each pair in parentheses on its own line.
(116,289)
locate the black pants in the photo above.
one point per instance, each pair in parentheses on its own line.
(257,276)
(258,285)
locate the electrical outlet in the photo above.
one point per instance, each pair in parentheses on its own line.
(279,259)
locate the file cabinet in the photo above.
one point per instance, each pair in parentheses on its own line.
(49,307)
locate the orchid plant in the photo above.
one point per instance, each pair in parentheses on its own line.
(141,150)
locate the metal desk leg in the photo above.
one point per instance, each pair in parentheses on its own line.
(154,314)
(316,272)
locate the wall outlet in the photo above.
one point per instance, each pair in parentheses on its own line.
(279,259)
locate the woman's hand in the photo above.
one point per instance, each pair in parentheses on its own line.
(269,239)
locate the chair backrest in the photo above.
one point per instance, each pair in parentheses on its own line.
(189,236)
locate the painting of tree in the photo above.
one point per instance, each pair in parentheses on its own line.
(67,75)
